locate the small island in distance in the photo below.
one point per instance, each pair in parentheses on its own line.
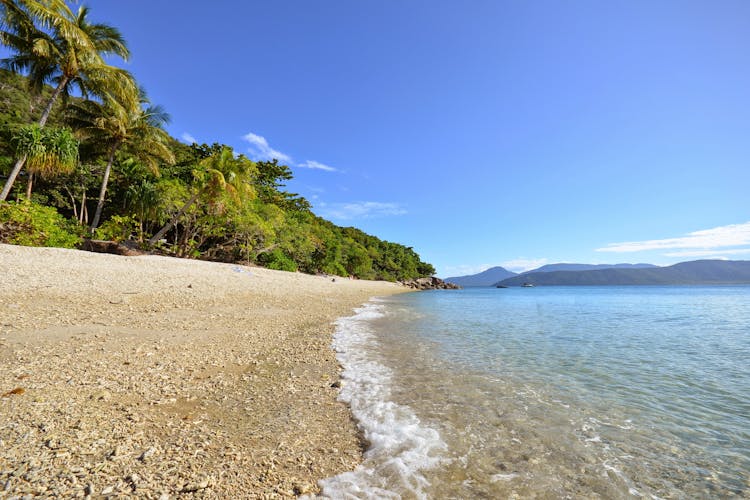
(699,272)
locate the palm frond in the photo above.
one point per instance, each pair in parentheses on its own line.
(49,151)
(108,40)
(50,13)
(156,116)
(49,42)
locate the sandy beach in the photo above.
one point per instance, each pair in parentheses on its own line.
(155,377)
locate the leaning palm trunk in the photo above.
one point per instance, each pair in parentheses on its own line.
(52,100)
(103,190)
(42,121)
(169,225)
(12,177)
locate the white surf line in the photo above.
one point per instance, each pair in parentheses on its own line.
(401,447)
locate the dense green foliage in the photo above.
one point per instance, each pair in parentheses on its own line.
(31,224)
(49,151)
(201,201)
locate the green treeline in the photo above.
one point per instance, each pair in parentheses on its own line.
(102,165)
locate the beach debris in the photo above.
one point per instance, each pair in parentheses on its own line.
(117,452)
(503,477)
(133,479)
(147,454)
(197,486)
(300,488)
(238,269)
(14,392)
(102,395)
(53,444)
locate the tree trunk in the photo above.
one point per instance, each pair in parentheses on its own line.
(83,205)
(29,186)
(42,121)
(103,190)
(172,222)
(12,177)
(72,202)
(264,250)
(55,95)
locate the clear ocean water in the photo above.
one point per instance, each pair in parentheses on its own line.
(550,392)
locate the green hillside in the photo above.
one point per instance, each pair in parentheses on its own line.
(199,201)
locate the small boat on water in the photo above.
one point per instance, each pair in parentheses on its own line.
(527,285)
(500,286)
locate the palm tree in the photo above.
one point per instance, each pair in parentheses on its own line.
(49,151)
(53,45)
(214,176)
(113,124)
(142,198)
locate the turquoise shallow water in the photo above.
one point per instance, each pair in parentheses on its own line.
(578,392)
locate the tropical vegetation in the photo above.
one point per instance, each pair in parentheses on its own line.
(97,161)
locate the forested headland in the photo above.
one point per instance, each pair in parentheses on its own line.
(85,154)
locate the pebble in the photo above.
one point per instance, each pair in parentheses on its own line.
(193,487)
(147,454)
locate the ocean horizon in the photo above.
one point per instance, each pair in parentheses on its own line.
(554,392)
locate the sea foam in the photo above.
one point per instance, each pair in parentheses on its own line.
(401,447)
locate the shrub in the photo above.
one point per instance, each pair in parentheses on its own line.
(34,225)
(334,268)
(277,260)
(118,228)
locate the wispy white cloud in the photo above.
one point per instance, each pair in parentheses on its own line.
(260,149)
(315,165)
(708,253)
(523,264)
(188,138)
(723,236)
(359,210)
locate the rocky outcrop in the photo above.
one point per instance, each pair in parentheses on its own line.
(431,283)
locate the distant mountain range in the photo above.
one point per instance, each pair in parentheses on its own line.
(699,272)
(585,267)
(493,275)
(485,278)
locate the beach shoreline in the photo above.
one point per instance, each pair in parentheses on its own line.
(155,376)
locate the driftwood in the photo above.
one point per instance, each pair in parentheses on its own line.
(128,248)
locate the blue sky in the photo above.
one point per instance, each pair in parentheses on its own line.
(481,133)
